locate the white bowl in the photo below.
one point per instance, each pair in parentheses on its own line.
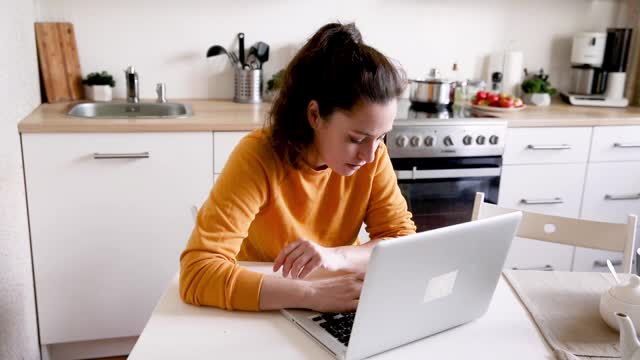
(609,305)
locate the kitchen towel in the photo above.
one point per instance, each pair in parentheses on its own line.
(566,308)
(512,72)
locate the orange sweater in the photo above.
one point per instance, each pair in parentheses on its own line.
(258,205)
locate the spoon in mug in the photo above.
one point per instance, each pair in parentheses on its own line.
(613,271)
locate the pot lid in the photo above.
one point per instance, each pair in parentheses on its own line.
(433,77)
(628,292)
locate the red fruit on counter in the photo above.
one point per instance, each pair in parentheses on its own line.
(481,95)
(493,98)
(495,103)
(506,102)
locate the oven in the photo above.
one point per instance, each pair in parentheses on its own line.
(442,158)
(441,191)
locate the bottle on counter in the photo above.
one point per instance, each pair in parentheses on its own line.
(460,94)
(496,82)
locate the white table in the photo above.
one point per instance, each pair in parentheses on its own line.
(180,331)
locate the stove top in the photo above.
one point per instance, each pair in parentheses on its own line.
(455,131)
(408,112)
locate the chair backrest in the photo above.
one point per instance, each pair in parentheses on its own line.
(569,231)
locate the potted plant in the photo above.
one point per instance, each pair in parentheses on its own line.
(273,85)
(537,89)
(98,86)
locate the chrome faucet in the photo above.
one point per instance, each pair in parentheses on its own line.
(133,95)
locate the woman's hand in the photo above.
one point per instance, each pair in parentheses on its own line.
(335,294)
(301,257)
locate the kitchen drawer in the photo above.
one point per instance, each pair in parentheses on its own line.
(107,230)
(592,260)
(223,144)
(529,254)
(611,193)
(615,143)
(547,145)
(548,189)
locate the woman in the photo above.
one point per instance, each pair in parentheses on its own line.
(297,191)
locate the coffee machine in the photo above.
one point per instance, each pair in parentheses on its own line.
(598,71)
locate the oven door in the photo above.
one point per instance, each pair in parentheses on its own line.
(440,192)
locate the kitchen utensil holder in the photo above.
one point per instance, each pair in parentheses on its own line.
(248,86)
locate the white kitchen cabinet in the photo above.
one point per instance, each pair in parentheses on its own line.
(223,144)
(615,143)
(109,215)
(612,192)
(547,145)
(554,189)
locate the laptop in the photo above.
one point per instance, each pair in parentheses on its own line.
(416,286)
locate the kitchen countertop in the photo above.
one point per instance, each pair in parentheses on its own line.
(225,115)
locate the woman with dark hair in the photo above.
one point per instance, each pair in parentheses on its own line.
(297,191)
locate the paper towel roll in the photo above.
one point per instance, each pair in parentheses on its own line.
(512,72)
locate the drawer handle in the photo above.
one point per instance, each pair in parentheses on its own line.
(622,197)
(539,268)
(603,263)
(555,200)
(622,145)
(549,147)
(104,156)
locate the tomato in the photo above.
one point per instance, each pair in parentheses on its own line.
(495,103)
(506,102)
(481,95)
(493,98)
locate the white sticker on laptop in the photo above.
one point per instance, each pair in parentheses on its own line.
(440,286)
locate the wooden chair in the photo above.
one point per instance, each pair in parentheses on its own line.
(569,231)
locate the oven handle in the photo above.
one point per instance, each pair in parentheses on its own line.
(416,174)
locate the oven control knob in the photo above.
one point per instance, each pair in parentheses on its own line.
(467,140)
(415,141)
(493,140)
(401,141)
(428,141)
(480,140)
(447,141)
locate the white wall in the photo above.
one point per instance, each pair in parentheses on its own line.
(167,40)
(19,94)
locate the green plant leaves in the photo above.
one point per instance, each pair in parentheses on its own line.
(101,78)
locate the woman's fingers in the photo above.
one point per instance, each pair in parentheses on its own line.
(313,264)
(290,259)
(300,262)
(279,261)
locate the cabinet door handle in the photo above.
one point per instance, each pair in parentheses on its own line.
(103,156)
(556,200)
(549,147)
(623,145)
(622,197)
(539,268)
(603,263)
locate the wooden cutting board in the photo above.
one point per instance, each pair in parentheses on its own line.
(59,61)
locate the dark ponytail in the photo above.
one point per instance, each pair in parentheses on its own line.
(336,69)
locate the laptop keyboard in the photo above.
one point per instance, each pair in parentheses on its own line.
(337,324)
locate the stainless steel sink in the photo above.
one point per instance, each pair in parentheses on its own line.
(95,110)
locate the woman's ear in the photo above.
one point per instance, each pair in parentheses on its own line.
(313,114)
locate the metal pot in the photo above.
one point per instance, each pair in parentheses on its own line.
(432,90)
